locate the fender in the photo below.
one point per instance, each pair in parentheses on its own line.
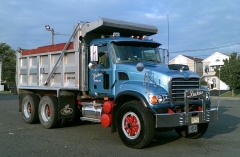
(117,107)
(135,89)
(132,88)
(132,93)
(138,89)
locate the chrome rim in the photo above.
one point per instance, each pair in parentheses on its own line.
(27,109)
(131,125)
(45,112)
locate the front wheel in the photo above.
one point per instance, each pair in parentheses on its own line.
(135,125)
(183,131)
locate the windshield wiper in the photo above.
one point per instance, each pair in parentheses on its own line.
(151,60)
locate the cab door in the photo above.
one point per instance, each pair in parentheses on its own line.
(100,77)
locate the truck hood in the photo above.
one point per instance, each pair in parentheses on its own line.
(159,74)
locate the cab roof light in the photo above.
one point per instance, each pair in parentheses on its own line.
(145,37)
(116,34)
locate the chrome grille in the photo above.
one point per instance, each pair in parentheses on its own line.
(179,85)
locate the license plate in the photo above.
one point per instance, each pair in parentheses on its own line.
(194,119)
(192,129)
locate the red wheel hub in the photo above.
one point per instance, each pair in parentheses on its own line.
(131,125)
(48,111)
(29,109)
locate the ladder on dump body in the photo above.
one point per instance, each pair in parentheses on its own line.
(61,55)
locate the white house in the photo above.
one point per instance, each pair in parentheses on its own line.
(194,64)
(211,62)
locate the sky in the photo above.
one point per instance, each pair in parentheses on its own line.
(188,27)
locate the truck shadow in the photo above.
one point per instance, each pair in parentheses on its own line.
(76,122)
(225,124)
(164,138)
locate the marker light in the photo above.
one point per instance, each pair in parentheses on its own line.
(145,37)
(116,34)
(158,99)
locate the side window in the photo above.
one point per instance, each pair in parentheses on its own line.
(103,56)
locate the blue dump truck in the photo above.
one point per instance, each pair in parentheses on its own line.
(111,72)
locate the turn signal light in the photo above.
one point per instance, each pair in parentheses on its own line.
(153,99)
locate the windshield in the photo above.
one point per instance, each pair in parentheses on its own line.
(135,51)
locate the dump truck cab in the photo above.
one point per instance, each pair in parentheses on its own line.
(123,55)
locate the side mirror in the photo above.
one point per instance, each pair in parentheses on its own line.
(94,53)
(92,65)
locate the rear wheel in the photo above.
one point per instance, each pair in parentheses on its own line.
(48,112)
(183,131)
(30,108)
(135,125)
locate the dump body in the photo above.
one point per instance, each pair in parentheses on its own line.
(34,68)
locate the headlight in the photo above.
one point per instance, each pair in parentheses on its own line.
(207,96)
(158,99)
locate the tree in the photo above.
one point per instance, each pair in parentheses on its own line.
(230,72)
(8,63)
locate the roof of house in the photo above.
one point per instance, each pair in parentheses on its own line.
(215,53)
(189,57)
(194,58)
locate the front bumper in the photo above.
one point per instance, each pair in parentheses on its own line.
(188,117)
(181,119)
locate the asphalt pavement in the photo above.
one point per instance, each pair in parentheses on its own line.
(18,139)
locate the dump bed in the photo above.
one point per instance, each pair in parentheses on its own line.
(35,65)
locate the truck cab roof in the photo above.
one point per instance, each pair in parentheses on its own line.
(123,39)
(93,30)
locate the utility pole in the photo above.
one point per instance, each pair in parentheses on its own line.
(52,31)
(1,86)
(168,40)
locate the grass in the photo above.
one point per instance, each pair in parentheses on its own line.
(5,92)
(229,94)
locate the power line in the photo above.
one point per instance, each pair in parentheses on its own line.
(210,48)
(205,56)
(200,56)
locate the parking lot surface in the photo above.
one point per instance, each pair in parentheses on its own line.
(18,139)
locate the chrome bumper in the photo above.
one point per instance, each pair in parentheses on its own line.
(181,119)
(188,118)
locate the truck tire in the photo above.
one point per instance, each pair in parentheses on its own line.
(48,112)
(183,131)
(135,125)
(30,108)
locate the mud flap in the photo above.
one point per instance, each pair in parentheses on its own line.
(66,107)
